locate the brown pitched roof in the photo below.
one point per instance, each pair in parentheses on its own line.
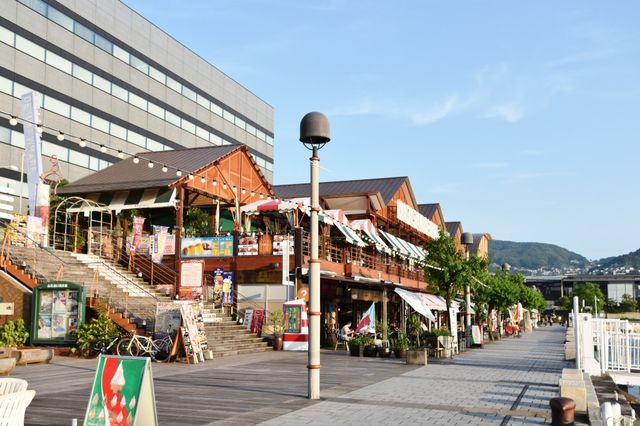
(429,210)
(452,227)
(387,187)
(125,175)
(476,241)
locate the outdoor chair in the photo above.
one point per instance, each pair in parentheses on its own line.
(10,385)
(13,407)
(341,340)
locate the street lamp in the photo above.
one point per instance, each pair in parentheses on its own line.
(466,240)
(314,134)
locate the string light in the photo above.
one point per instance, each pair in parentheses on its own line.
(82,143)
(164,168)
(39,129)
(150,165)
(120,154)
(60,136)
(13,120)
(202,179)
(234,188)
(253,193)
(243,191)
(215,182)
(178,172)
(224,185)
(261,195)
(136,160)
(103,148)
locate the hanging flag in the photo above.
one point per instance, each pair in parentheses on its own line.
(368,321)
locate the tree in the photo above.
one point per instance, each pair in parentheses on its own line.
(447,272)
(588,292)
(564,303)
(628,303)
(531,298)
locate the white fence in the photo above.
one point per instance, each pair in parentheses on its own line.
(617,344)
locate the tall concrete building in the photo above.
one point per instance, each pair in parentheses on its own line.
(112,84)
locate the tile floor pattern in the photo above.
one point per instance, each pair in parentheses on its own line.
(505,383)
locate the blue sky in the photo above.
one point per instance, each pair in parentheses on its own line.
(521,119)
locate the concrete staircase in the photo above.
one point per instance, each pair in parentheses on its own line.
(129,300)
(225,337)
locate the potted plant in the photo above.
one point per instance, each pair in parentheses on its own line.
(96,336)
(417,354)
(276,319)
(401,346)
(383,349)
(370,348)
(357,345)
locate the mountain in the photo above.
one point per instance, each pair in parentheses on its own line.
(533,256)
(630,260)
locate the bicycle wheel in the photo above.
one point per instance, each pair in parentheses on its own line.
(162,349)
(127,347)
(90,352)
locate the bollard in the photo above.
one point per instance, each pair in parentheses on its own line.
(563,411)
(74,422)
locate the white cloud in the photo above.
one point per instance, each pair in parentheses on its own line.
(512,112)
(438,111)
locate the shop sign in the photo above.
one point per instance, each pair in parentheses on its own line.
(222,287)
(417,221)
(220,246)
(367,295)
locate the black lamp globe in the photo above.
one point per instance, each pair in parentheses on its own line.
(314,130)
(466,239)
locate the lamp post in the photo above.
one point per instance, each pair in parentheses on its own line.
(314,134)
(466,240)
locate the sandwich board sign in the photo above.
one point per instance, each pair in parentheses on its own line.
(122,393)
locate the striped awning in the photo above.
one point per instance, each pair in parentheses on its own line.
(398,244)
(366,227)
(127,200)
(257,207)
(350,235)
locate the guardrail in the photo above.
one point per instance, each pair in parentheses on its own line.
(617,343)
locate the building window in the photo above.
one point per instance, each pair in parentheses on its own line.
(59,62)
(61,19)
(82,74)
(102,83)
(7,36)
(6,86)
(104,44)
(57,106)
(120,93)
(139,64)
(121,54)
(37,5)
(82,31)
(78,158)
(80,116)
(30,48)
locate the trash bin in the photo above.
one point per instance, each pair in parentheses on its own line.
(563,411)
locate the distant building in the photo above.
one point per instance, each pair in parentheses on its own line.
(612,286)
(106,74)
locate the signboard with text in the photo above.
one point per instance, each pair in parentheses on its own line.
(220,246)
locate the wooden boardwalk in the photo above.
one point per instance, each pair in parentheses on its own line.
(245,389)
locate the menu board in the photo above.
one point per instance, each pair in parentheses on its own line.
(248,246)
(193,324)
(59,310)
(256,321)
(248,316)
(279,242)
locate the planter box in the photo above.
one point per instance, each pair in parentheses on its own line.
(371,351)
(31,356)
(417,356)
(356,350)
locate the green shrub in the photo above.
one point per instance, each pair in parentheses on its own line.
(100,330)
(402,342)
(361,341)
(438,332)
(13,334)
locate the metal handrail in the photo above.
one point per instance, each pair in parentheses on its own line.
(155,273)
(38,275)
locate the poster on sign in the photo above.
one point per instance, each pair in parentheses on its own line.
(248,246)
(220,246)
(248,317)
(159,241)
(138,222)
(256,321)
(122,393)
(191,278)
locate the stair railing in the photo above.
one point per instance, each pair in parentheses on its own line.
(155,273)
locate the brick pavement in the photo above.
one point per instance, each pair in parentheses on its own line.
(508,382)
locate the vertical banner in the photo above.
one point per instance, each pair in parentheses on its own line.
(137,233)
(159,242)
(222,287)
(285,264)
(32,155)
(122,393)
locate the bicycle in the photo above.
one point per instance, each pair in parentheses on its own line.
(137,345)
(99,348)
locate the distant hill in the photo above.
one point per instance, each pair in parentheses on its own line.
(625,260)
(534,255)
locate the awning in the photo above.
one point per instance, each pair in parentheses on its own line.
(127,200)
(366,227)
(395,243)
(350,235)
(434,302)
(416,302)
(337,215)
(259,206)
